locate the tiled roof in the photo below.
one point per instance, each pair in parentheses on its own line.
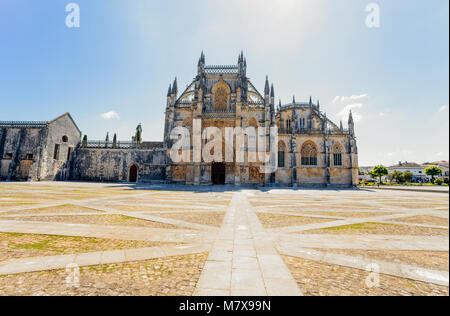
(407,165)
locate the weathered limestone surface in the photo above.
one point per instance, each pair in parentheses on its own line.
(37,150)
(114,164)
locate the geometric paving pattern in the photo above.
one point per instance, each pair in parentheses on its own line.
(120,239)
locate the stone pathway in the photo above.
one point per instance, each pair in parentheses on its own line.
(97,258)
(98,231)
(243,260)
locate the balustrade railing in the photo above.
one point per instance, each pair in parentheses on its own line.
(101,144)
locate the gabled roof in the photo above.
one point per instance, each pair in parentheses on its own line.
(70,117)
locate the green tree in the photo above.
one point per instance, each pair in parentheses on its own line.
(433,171)
(379,172)
(408,176)
(138,137)
(115,141)
(85,140)
(397,176)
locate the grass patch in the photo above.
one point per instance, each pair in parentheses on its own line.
(36,246)
(14,234)
(360,226)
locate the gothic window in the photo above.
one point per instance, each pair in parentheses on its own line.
(302,123)
(309,154)
(281,155)
(221,97)
(337,156)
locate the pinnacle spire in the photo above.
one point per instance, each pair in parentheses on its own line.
(241,57)
(267,88)
(272,91)
(350,117)
(293,100)
(170,90)
(310,101)
(175,86)
(201,59)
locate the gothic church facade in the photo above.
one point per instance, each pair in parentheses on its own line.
(311,149)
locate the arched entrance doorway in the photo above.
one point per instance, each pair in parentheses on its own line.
(218,173)
(133,175)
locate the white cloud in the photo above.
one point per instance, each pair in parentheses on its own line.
(349,98)
(443,108)
(336,99)
(341,106)
(343,114)
(111,115)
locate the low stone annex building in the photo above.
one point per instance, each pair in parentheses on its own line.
(312,150)
(37,150)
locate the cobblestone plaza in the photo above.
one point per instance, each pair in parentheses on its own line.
(119,239)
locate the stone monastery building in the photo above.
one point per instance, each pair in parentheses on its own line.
(311,149)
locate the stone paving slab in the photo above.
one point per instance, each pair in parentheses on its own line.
(111,232)
(51,214)
(349,221)
(423,189)
(389,268)
(26,265)
(164,220)
(366,242)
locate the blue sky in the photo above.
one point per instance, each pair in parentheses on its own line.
(127,52)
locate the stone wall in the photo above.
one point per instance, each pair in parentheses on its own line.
(61,132)
(113,165)
(19,151)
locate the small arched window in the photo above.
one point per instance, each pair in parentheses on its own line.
(309,154)
(65,139)
(337,156)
